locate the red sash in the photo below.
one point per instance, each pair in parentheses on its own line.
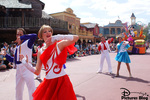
(61,58)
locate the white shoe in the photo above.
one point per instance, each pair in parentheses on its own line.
(130,76)
(99,72)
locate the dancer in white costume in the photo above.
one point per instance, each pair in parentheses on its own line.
(104,48)
(23,75)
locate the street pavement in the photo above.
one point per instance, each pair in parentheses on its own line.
(90,85)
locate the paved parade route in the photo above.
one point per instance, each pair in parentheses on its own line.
(89,85)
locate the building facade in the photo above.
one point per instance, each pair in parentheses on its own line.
(112,29)
(27,14)
(71,18)
(74,25)
(92,27)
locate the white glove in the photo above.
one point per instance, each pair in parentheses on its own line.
(62,37)
(125,43)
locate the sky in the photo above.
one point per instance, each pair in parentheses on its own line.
(103,12)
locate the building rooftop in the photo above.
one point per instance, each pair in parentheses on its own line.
(45,15)
(90,25)
(132,15)
(118,23)
(14,4)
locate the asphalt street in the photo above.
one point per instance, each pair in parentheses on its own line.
(89,85)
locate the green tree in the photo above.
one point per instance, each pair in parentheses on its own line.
(145,32)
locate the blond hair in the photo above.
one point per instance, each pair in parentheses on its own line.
(41,30)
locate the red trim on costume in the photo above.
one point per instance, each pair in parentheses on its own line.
(49,68)
(109,41)
(99,47)
(61,58)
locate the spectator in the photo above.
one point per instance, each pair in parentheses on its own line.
(12,49)
(77,46)
(6,46)
(2,65)
(8,64)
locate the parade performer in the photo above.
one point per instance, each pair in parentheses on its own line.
(122,55)
(23,75)
(105,49)
(132,32)
(56,84)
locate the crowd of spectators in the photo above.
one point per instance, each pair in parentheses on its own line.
(83,49)
(89,49)
(5,64)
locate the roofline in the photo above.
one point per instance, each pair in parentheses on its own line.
(43,4)
(64,12)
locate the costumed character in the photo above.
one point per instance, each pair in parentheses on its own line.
(122,55)
(105,49)
(141,32)
(125,36)
(23,75)
(135,33)
(130,41)
(56,84)
(132,32)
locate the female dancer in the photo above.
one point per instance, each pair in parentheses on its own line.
(122,55)
(56,84)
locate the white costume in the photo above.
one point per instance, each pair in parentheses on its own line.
(23,75)
(105,54)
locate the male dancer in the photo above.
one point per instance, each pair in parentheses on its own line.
(23,75)
(104,47)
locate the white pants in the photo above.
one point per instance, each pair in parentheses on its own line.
(23,75)
(105,54)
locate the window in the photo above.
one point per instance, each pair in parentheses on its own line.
(96,30)
(69,26)
(84,29)
(72,26)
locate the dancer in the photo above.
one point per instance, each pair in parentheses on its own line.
(23,75)
(56,84)
(105,49)
(122,55)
